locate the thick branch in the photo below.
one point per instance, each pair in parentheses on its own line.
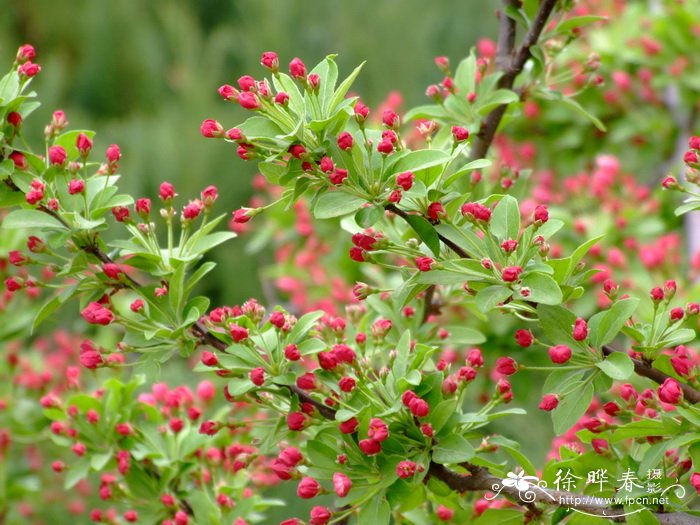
(645,370)
(482,141)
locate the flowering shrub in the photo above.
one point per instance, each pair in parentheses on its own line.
(425,278)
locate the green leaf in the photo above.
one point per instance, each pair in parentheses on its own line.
(321,455)
(471,166)
(604,326)
(617,365)
(420,160)
(207,242)
(344,87)
(464,335)
(678,337)
(505,220)
(543,289)
(568,25)
(303,325)
(76,472)
(336,203)
(426,232)
(368,216)
(453,449)
(573,104)
(491,296)
(572,407)
(498,98)
(465,74)
(46,310)
(377,511)
(28,219)
(403,349)
(9,87)
(260,128)
(238,387)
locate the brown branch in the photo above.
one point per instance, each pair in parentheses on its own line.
(646,370)
(506,36)
(404,215)
(482,140)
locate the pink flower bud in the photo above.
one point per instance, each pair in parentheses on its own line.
(95,313)
(345,141)
(560,354)
(113,153)
(297,69)
(405,180)
(308,488)
(370,447)
(506,366)
(248,100)
(211,129)
(84,144)
(228,92)
(25,52)
(270,60)
(378,430)
(424,264)
(549,402)
(541,214)
(459,133)
(57,155)
(670,392)
(76,186)
(436,211)
(580,331)
(167,192)
(361,112)
(511,273)
(341,484)
(320,516)
(257,376)
(29,69)
(14,119)
(19,160)
(476,211)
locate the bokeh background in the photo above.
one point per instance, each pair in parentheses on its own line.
(144,74)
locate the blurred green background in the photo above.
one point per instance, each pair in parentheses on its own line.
(144,74)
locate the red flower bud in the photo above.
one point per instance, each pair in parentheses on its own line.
(541,214)
(506,366)
(57,155)
(345,141)
(560,354)
(84,144)
(25,52)
(670,392)
(459,133)
(297,69)
(580,331)
(511,273)
(76,186)
(270,60)
(341,484)
(524,337)
(424,264)
(549,402)
(167,192)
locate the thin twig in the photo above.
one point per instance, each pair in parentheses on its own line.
(482,140)
(645,370)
